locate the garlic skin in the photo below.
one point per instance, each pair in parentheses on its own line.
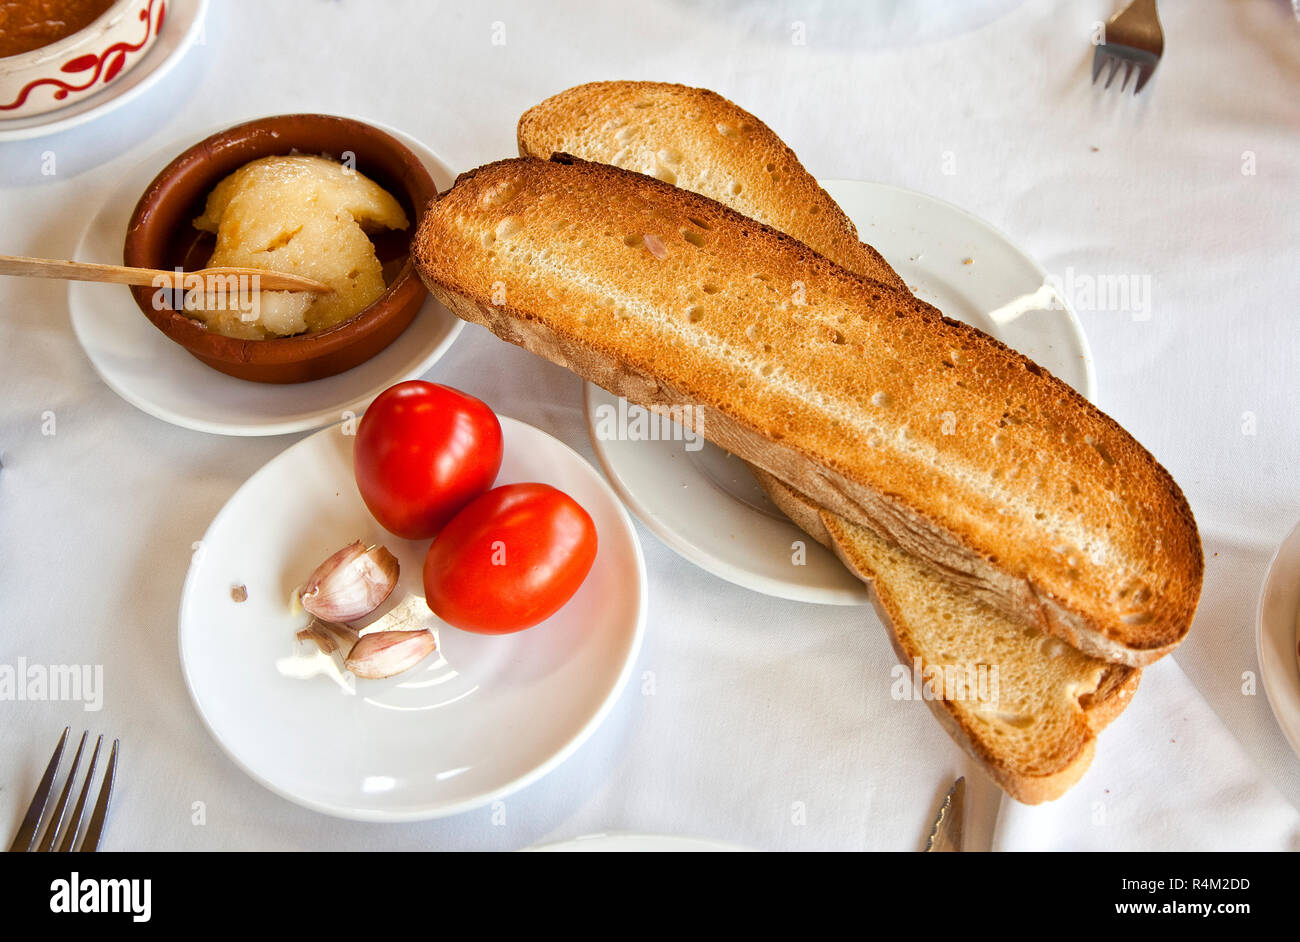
(385,653)
(324,643)
(350,584)
(328,635)
(410,614)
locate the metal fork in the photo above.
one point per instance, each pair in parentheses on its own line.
(32,823)
(1133,39)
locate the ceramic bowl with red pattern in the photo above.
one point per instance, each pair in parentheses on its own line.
(108,39)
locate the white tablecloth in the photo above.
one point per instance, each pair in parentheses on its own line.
(769,723)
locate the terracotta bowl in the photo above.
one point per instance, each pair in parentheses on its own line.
(79,65)
(161,234)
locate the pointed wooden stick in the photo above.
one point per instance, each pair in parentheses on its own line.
(258,279)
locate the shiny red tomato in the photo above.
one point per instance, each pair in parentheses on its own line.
(510,559)
(422,453)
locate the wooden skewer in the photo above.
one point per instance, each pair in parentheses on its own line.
(257,279)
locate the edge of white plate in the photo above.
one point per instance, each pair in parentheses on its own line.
(1289,546)
(704,560)
(1076,325)
(607,842)
(111,101)
(310,422)
(555,760)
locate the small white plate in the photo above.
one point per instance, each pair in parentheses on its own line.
(638,844)
(1277,636)
(181,27)
(480,719)
(158,376)
(706,505)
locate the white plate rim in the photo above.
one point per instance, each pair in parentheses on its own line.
(550,764)
(793,591)
(689,550)
(320,418)
(1079,337)
(1282,696)
(610,841)
(60,120)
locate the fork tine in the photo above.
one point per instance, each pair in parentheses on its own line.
(26,835)
(1130,68)
(1098,60)
(95,829)
(1144,75)
(56,818)
(70,837)
(1114,67)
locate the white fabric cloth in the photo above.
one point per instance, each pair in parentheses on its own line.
(751,720)
(1167,775)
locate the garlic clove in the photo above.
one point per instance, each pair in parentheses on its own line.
(350,584)
(386,653)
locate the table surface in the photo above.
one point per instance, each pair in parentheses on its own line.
(748,718)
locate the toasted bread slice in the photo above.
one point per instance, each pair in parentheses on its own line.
(700,141)
(1032,717)
(930,433)
(1036,737)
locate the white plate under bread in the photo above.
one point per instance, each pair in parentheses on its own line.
(1277,637)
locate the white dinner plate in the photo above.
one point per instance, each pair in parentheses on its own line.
(158,376)
(479,719)
(1277,637)
(182,25)
(638,844)
(706,505)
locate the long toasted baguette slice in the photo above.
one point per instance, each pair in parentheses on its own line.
(1035,713)
(927,431)
(1035,735)
(700,141)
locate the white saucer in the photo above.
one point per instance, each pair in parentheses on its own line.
(484,717)
(159,377)
(706,505)
(182,25)
(1277,637)
(638,844)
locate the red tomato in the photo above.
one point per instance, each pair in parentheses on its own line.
(510,559)
(423,452)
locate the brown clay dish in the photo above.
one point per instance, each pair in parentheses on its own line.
(161,234)
(35,24)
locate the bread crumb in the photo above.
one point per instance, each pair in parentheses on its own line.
(239,593)
(968,261)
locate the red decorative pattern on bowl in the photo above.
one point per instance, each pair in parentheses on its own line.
(80,65)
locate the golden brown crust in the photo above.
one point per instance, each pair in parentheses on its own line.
(628,124)
(700,141)
(1111,697)
(932,434)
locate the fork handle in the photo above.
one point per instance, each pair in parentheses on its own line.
(1145,9)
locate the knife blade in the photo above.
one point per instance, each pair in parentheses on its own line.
(946,834)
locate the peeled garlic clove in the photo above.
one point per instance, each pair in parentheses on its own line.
(350,584)
(386,653)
